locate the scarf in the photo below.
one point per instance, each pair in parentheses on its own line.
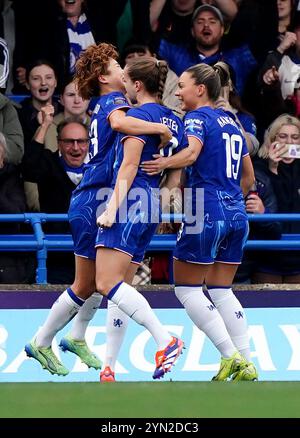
(74,173)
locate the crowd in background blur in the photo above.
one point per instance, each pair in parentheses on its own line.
(256,44)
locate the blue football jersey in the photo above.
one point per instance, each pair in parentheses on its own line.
(152,112)
(218,167)
(139,214)
(98,171)
(248,122)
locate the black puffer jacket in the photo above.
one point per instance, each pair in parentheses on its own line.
(287,188)
(15,267)
(265,189)
(12,197)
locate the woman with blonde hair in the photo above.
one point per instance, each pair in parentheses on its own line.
(283,175)
(273,137)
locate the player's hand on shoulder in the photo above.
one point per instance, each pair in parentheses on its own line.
(156,166)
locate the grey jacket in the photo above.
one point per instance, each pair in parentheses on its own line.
(11,128)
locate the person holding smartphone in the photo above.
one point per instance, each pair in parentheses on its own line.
(283,174)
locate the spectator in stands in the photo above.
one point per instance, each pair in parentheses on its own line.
(261,199)
(73,105)
(41,81)
(57,174)
(9,122)
(136,12)
(136,50)
(13,267)
(7,34)
(286,13)
(261,24)
(27,26)
(171,19)
(4,64)
(282,266)
(11,129)
(80,23)
(44,33)
(280,77)
(256,27)
(55,30)
(207,31)
(76,32)
(12,195)
(12,29)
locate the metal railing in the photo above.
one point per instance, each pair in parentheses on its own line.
(41,243)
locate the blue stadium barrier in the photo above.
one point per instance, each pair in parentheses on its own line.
(17,98)
(41,243)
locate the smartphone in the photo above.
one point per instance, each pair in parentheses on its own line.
(293,151)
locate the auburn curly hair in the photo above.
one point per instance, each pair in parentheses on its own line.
(92,63)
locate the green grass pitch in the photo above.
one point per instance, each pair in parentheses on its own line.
(150,400)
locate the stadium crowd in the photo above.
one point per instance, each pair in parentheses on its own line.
(256,45)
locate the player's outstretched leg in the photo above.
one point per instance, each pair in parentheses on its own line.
(46,357)
(167,357)
(81,349)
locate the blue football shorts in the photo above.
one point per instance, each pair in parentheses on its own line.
(83,212)
(218,241)
(133,232)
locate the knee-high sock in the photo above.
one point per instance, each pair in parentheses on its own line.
(62,311)
(206,317)
(234,317)
(84,316)
(116,326)
(131,302)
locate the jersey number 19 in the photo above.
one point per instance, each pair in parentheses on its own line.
(234,144)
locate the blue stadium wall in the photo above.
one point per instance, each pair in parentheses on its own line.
(274,328)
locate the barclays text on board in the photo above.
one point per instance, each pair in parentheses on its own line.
(274,335)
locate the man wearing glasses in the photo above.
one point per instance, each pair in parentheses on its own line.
(57,174)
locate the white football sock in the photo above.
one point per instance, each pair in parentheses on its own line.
(84,316)
(234,317)
(62,311)
(206,317)
(128,299)
(116,325)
